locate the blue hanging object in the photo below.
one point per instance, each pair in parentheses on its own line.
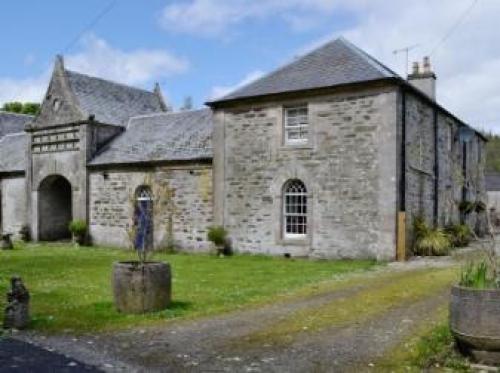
(143,225)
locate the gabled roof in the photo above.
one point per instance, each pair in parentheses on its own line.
(335,63)
(109,102)
(492,182)
(13,122)
(13,152)
(161,137)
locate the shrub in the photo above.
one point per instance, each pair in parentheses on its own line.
(429,241)
(420,227)
(217,235)
(460,234)
(78,229)
(435,242)
(480,206)
(25,233)
(466,207)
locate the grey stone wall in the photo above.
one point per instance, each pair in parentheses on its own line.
(348,166)
(182,211)
(421,170)
(13,208)
(419,161)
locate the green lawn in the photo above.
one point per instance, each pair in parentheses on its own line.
(71,287)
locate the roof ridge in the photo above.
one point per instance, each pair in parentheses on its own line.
(382,68)
(277,69)
(376,69)
(165,113)
(109,81)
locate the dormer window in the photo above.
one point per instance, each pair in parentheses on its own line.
(56,104)
(296,125)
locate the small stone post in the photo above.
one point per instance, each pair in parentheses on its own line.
(17,310)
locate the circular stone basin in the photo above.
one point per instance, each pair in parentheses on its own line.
(141,287)
(475,322)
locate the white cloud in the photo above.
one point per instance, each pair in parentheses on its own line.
(98,58)
(214,17)
(220,91)
(136,67)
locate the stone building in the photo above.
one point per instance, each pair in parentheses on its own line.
(315,159)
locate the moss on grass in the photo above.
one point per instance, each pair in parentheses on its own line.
(430,348)
(391,290)
(71,287)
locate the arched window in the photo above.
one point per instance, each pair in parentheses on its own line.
(294,209)
(143,193)
(143,218)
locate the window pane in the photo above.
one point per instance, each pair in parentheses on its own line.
(295,208)
(296,123)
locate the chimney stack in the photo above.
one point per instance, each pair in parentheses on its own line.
(424,79)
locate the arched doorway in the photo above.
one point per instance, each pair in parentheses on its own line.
(54,208)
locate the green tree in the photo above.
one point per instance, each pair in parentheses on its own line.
(31,108)
(493,153)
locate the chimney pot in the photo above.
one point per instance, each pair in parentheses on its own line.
(427,65)
(416,68)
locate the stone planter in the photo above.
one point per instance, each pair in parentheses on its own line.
(140,288)
(475,322)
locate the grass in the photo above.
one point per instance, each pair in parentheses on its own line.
(429,349)
(71,287)
(382,294)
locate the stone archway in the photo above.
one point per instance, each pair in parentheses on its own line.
(55,210)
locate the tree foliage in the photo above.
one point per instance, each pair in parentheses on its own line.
(493,153)
(31,108)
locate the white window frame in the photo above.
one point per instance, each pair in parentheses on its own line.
(303,214)
(302,126)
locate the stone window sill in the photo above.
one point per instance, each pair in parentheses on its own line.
(294,242)
(296,147)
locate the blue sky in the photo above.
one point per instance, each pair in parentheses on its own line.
(204,48)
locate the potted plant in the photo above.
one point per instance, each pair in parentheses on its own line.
(141,286)
(474,307)
(218,236)
(78,229)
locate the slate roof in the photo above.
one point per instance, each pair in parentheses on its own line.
(12,122)
(492,182)
(335,63)
(110,102)
(13,152)
(177,136)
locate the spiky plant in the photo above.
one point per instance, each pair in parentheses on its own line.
(433,242)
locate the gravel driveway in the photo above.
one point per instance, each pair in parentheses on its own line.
(348,326)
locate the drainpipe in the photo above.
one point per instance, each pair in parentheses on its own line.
(402,181)
(436,169)
(464,175)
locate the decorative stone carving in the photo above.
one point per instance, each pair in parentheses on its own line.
(6,242)
(17,309)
